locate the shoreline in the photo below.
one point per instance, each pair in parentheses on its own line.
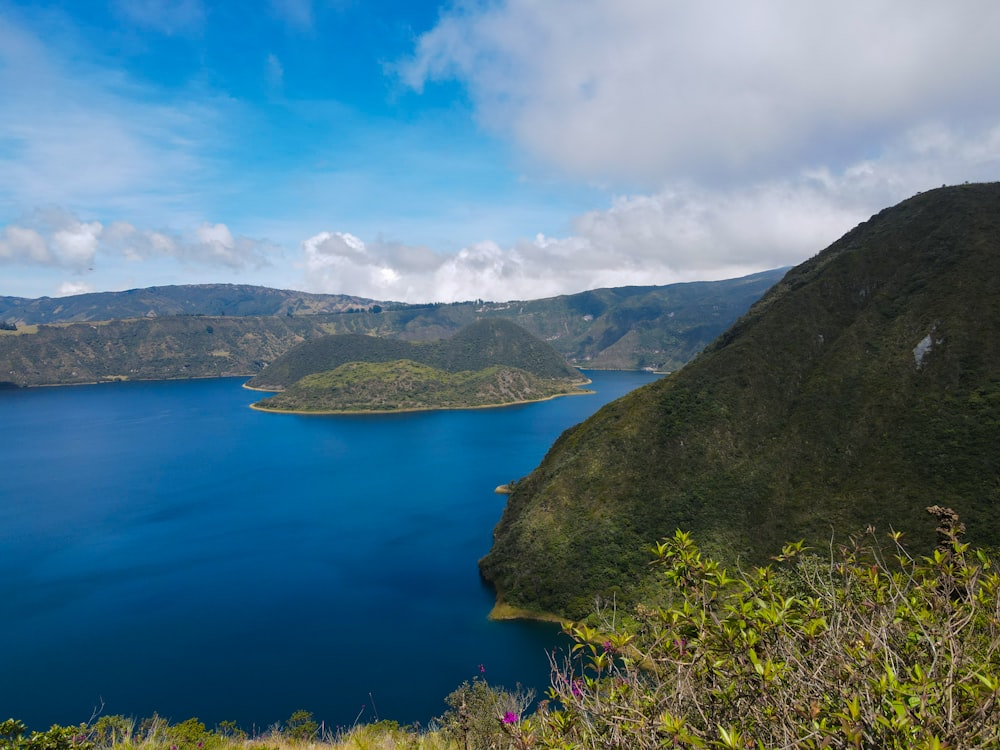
(502,612)
(127,379)
(110,379)
(258,390)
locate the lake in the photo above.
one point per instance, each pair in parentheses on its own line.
(164,548)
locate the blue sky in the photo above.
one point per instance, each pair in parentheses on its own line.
(510,149)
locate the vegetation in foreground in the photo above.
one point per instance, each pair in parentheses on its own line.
(858,646)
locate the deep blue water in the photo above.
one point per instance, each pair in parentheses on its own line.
(165,548)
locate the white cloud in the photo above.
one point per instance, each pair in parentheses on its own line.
(76,244)
(683,232)
(207,245)
(50,237)
(57,238)
(20,245)
(68,288)
(759,131)
(341,260)
(655,91)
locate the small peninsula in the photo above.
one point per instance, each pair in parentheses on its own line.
(489,363)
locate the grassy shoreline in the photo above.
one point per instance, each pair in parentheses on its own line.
(503,612)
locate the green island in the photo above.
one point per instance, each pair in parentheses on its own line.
(404,385)
(486,364)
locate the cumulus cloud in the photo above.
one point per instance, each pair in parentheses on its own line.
(207,245)
(660,239)
(50,237)
(757,132)
(651,90)
(56,238)
(69,288)
(18,244)
(685,231)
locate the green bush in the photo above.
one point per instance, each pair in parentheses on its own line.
(864,647)
(480,715)
(12,737)
(301,726)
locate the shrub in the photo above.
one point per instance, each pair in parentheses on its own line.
(865,647)
(480,715)
(301,726)
(12,737)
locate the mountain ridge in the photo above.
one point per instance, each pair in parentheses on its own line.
(620,328)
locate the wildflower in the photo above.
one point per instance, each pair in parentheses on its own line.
(608,647)
(576,689)
(510,718)
(482,669)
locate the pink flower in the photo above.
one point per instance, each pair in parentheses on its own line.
(510,718)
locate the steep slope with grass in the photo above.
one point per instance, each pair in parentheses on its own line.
(862,388)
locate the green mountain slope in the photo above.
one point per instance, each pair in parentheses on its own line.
(149,349)
(862,388)
(477,346)
(627,328)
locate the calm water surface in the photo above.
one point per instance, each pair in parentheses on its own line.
(165,548)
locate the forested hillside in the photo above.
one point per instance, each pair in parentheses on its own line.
(475,347)
(862,388)
(488,363)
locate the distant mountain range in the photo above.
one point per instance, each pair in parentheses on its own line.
(219,329)
(160,301)
(862,388)
(487,363)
